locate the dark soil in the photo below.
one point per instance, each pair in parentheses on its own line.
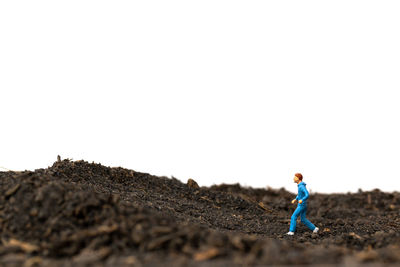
(82,214)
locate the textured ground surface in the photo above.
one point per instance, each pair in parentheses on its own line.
(80,214)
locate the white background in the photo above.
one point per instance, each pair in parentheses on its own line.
(218,91)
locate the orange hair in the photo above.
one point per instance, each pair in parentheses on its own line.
(298,175)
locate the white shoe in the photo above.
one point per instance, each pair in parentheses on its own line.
(315,230)
(290,233)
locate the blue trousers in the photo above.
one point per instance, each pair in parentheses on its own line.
(300,211)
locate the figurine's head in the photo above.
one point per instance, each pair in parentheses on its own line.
(298,178)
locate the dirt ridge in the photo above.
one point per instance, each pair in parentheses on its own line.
(81,213)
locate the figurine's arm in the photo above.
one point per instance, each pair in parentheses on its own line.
(305,194)
(294,200)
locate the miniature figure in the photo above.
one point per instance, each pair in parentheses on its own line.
(301,209)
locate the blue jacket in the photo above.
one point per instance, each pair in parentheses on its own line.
(302,193)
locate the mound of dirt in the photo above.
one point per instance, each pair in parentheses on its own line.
(83,214)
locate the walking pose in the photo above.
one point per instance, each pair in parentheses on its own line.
(301,209)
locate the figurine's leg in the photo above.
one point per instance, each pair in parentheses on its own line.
(305,220)
(295,214)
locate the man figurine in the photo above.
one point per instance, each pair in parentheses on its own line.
(301,209)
